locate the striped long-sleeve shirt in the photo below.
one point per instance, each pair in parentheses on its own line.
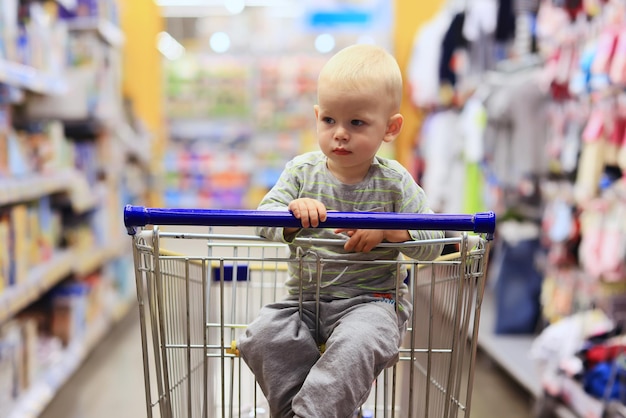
(388,187)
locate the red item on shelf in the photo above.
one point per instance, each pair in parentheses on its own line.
(602,353)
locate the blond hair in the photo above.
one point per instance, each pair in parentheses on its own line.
(366,65)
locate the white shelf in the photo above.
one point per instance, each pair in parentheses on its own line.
(135,144)
(111,33)
(32,187)
(39,280)
(45,276)
(80,192)
(35,400)
(15,190)
(30,78)
(511,352)
(88,260)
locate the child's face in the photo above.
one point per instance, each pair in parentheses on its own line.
(352,124)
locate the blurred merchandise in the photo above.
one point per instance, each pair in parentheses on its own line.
(72,153)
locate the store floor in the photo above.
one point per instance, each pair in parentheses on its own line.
(110,383)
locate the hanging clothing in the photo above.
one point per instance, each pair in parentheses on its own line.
(452,41)
(516,138)
(505,27)
(518,287)
(473,119)
(478,29)
(423,67)
(441,146)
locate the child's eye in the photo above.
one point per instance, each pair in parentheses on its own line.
(356,122)
(328,120)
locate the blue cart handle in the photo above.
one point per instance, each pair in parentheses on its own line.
(139,216)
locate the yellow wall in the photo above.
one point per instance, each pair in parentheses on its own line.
(143,76)
(409,16)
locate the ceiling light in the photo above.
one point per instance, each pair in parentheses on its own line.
(325,43)
(169,47)
(235,6)
(220,42)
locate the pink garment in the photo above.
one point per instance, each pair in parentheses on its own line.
(617,71)
(611,260)
(590,249)
(604,52)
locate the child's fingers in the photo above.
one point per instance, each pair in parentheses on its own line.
(310,212)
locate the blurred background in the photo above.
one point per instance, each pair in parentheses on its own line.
(514,106)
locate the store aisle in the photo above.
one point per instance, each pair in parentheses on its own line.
(110,383)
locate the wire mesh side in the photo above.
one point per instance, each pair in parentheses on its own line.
(437,358)
(242,279)
(144,258)
(194,307)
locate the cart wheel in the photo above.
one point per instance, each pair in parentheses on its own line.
(545,407)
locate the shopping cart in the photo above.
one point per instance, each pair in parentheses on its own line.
(194,306)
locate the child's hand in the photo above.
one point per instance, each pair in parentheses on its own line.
(310,211)
(362,240)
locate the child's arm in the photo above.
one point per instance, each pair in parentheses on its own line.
(285,196)
(364,240)
(278,198)
(310,212)
(425,252)
(412,199)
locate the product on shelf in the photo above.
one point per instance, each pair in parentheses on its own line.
(236,121)
(64,275)
(39,338)
(583,231)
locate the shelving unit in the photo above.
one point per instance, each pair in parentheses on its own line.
(65,285)
(33,403)
(29,78)
(89,259)
(39,281)
(512,354)
(109,32)
(17,190)
(136,146)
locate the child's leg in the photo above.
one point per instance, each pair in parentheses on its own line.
(280,350)
(364,340)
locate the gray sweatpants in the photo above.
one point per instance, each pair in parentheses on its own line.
(362,336)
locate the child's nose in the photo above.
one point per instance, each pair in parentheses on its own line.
(341,134)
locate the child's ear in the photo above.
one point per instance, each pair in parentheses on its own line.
(316,109)
(394,126)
